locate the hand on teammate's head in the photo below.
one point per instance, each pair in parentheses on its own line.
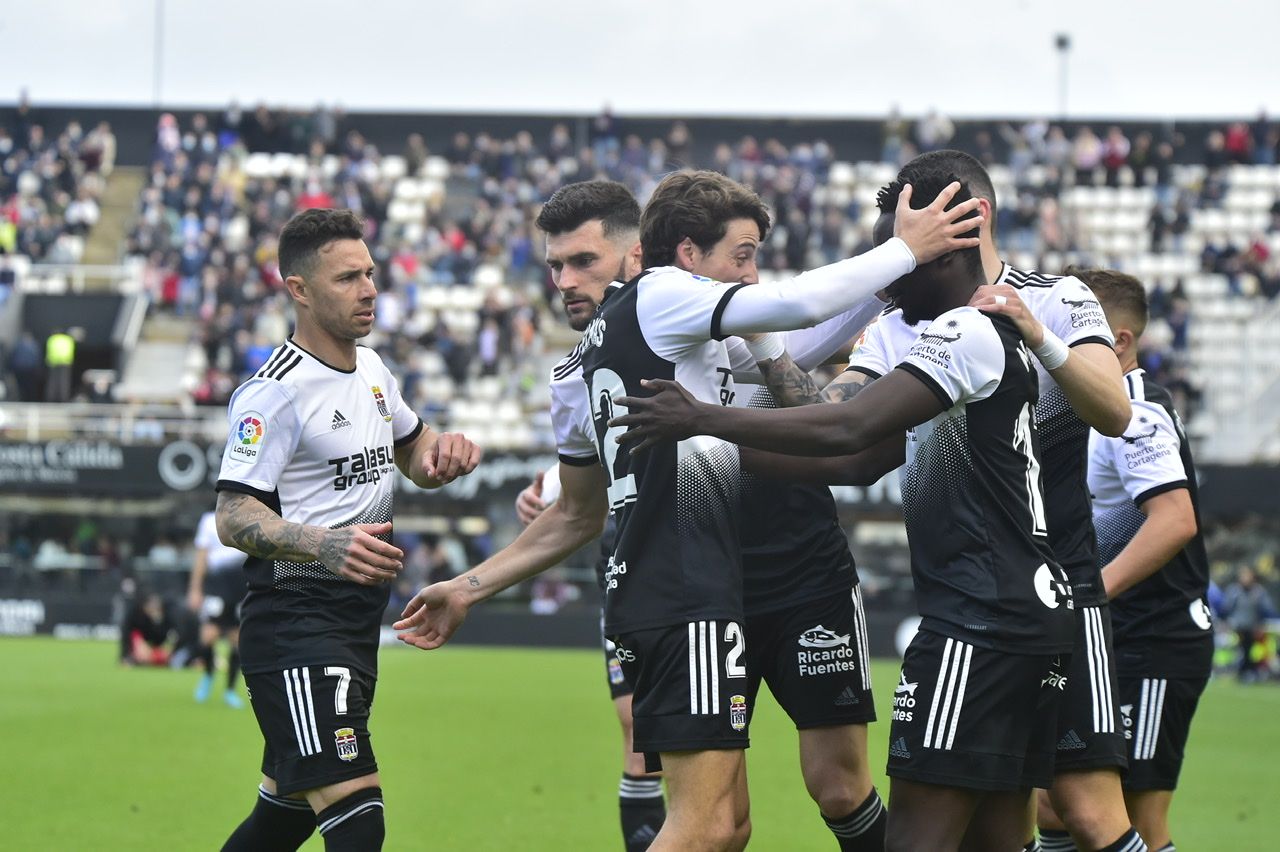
(933,230)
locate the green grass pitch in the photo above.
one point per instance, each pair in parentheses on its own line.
(479,749)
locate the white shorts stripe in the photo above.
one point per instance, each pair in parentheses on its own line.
(311,708)
(1154,738)
(1104,721)
(953,677)
(693,667)
(964,680)
(715,668)
(939,688)
(702,665)
(304,747)
(860,622)
(1140,735)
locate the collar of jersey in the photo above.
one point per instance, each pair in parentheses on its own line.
(317,358)
(1005,269)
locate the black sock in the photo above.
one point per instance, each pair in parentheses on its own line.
(354,824)
(1052,840)
(1127,842)
(862,830)
(276,824)
(1168,847)
(205,656)
(642,810)
(233,668)
(1033,845)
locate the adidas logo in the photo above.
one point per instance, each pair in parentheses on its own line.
(847,697)
(339,422)
(898,748)
(1071,742)
(645,834)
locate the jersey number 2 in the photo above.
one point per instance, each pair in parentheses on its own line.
(607,386)
(1022,439)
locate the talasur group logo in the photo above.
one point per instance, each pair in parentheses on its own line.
(250,432)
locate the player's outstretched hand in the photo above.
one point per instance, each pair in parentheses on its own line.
(1003,299)
(452,455)
(356,553)
(432,617)
(932,231)
(529,505)
(668,415)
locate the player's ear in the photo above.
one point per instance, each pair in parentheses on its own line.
(686,253)
(297,288)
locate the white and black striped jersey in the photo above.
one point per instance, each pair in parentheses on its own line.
(1067,307)
(316,444)
(793,548)
(677,558)
(1168,609)
(971,487)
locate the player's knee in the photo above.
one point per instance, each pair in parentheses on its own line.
(353,823)
(741,834)
(836,790)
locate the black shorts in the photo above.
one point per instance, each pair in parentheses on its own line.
(224,592)
(315,721)
(814,658)
(690,685)
(1156,714)
(618,685)
(1089,732)
(973,717)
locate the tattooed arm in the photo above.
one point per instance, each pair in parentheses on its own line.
(845,386)
(247,524)
(789,384)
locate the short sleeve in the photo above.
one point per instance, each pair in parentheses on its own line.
(678,310)
(870,353)
(406,425)
(960,357)
(264,435)
(1073,312)
(1148,455)
(207,532)
(571,419)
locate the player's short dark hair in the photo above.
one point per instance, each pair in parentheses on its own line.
(927,183)
(311,230)
(1117,292)
(966,167)
(575,204)
(698,205)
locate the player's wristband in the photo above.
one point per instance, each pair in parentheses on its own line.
(1053,353)
(767,347)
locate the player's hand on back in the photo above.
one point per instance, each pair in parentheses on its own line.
(529,505)
(669,415)
(356,553)
(451,456)
(1003,299)
(932,231)
(433,615)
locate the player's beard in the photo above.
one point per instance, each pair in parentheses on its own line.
(581,324)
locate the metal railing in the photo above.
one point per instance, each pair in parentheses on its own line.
(127,424)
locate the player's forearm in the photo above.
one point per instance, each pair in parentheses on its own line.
(817,295)
(1096,392)
(809,430)
(864,468)
(789,384)
(246,524)
(1157,541)
(198,567)
(829,339)
(550,539)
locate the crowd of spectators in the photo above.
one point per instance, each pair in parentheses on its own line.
(50,185)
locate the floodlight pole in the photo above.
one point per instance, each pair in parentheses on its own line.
(1062,41)
(157,56)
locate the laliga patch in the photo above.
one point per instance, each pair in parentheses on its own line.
(615,671)
(249,434)
(382,402)
(345,740)
(738,712)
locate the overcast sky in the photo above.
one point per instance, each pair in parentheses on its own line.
(782,57)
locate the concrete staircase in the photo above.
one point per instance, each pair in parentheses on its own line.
(118,204)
